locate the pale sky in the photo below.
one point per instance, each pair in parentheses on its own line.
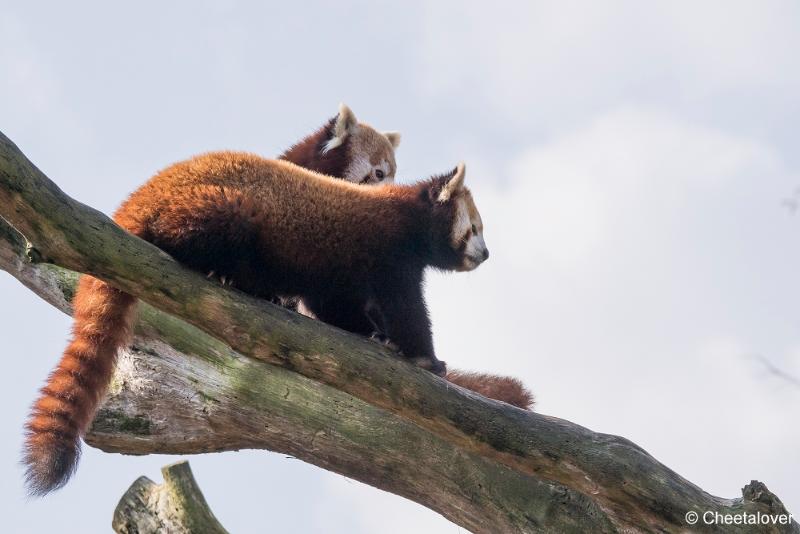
(630,162)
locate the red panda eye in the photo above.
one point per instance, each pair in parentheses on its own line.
(379,174)
(474,229)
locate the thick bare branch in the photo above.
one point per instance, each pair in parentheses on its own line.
(220,400)
(177,506)
(474,460)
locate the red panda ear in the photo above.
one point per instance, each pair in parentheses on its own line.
(454,184)
(346,124)
(394,138)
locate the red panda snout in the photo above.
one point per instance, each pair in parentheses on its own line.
(475,252)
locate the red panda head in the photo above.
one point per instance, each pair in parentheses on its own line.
(348,149)
(369,153)
(457,226)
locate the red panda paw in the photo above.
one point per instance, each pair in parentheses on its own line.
(384,340)
(431,363)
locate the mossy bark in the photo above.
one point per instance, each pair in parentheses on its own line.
(247,374)
(177,506)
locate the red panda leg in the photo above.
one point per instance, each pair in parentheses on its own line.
(405,316)
(67,403)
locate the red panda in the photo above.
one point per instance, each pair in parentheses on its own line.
(279,229)
(342,148)
(103,314)
(348,149)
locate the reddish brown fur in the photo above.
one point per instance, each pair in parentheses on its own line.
(68,402)
(275,228)
(503,388)
(358,152)
(309,152)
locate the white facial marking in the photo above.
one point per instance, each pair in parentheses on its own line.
(461,224)
(386,169)
(474,251)
(358,169)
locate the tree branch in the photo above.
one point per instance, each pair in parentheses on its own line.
(484,465)
(220,400)
(177,506)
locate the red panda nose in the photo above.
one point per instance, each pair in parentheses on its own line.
(485,254)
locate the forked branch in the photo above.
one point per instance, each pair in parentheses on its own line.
(177,506)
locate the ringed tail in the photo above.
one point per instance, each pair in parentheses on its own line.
(503,388)
(68,401)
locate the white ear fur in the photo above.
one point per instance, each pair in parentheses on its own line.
(346,124)
(454,184)
(394,138)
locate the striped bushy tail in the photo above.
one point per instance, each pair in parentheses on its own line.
(67,403)
(503,388)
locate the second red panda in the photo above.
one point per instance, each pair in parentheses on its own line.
(348,149)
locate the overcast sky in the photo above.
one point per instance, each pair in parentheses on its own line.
(630,160)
